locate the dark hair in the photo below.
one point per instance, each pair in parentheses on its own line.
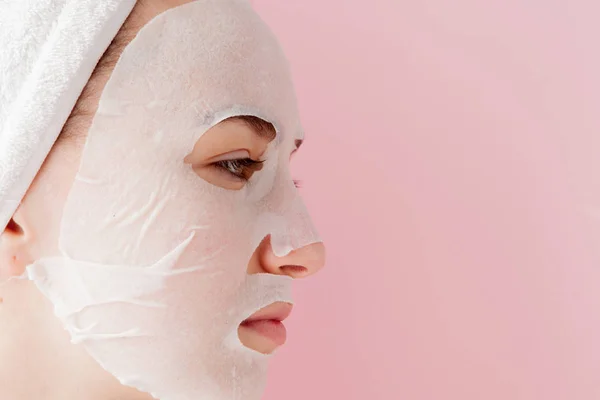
(76,125)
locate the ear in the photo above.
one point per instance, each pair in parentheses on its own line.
(15,246)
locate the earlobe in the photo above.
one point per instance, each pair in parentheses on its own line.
(14,249)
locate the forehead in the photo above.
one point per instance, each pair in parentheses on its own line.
(219,57)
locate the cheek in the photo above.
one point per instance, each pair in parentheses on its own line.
(44,202)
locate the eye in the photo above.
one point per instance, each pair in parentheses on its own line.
(241,169)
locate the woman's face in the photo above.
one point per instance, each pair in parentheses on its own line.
(226,156)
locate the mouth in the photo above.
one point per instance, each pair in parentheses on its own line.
(264,330)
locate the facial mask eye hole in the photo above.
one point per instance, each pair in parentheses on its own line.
(231,152)
(298,143)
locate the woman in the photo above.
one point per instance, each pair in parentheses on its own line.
(152,255)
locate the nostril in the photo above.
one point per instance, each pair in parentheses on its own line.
(14,227)
(295,271)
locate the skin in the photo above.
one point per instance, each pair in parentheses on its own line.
(37,360)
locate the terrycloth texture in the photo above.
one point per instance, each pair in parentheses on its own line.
(48,50)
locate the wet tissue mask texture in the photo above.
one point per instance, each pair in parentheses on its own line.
(153,278)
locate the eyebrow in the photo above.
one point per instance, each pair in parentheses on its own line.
(264,130)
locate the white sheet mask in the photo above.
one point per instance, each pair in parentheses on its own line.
(153,277)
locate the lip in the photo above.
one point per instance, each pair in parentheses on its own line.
(267,323)
(276,312)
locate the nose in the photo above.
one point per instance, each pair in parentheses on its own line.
(299,263)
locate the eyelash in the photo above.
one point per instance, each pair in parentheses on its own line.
(243,168)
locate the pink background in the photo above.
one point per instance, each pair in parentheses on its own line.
(453,168)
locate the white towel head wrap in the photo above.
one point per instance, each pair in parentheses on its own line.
(49,51)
